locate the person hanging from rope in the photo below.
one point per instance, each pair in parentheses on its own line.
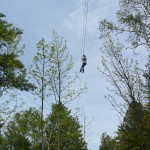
(84,62)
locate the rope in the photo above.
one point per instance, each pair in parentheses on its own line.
(83,36)
(84,33)
(84,26)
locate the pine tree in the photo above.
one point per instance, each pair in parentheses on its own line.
(134,132)
(12,70)
(70,129)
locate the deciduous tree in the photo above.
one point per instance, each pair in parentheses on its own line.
(22,132)
(133,18)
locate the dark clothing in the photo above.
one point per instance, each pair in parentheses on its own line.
(82,67)
(84,62)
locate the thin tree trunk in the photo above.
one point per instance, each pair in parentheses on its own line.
(42,127)
(58,122)
(58,119)
(43,74)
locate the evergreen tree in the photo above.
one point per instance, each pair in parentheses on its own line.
(147,77)
(107,142)
(12,70)
(8,33)
(70,129)
(134,132)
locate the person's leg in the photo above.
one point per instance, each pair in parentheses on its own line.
(81,69)
(83,66)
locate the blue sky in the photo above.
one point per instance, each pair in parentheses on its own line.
(39,18)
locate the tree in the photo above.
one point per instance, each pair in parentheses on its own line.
(40,72)
(8,33)
(134,131)
(126,76)
(12,70)
(70,129)
(13,73)
(132,18)
(51,69)
(123,74)
(62,82)
(107,142)
(147,77)
(22,132)
(51,73)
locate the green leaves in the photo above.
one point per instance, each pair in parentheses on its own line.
(12,73)
(23,131)
(107,143)
(123,73)
(134,132)
(70,129)
(133,20)
(126,76)
(8,33)
(12,70)
(51,72)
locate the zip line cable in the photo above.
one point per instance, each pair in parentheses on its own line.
(83,29)
(84,26)
(86,2)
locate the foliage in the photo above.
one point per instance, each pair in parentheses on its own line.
(12,70)
(13,73)
(107,142)
(51,71)
(8,33)
(62,82)
(147,77)
(40,71)
(134,132)
(70,130)
(61,71)
(23,131)
(132,18)
(124,75)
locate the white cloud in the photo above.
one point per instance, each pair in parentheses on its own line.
(97,10)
